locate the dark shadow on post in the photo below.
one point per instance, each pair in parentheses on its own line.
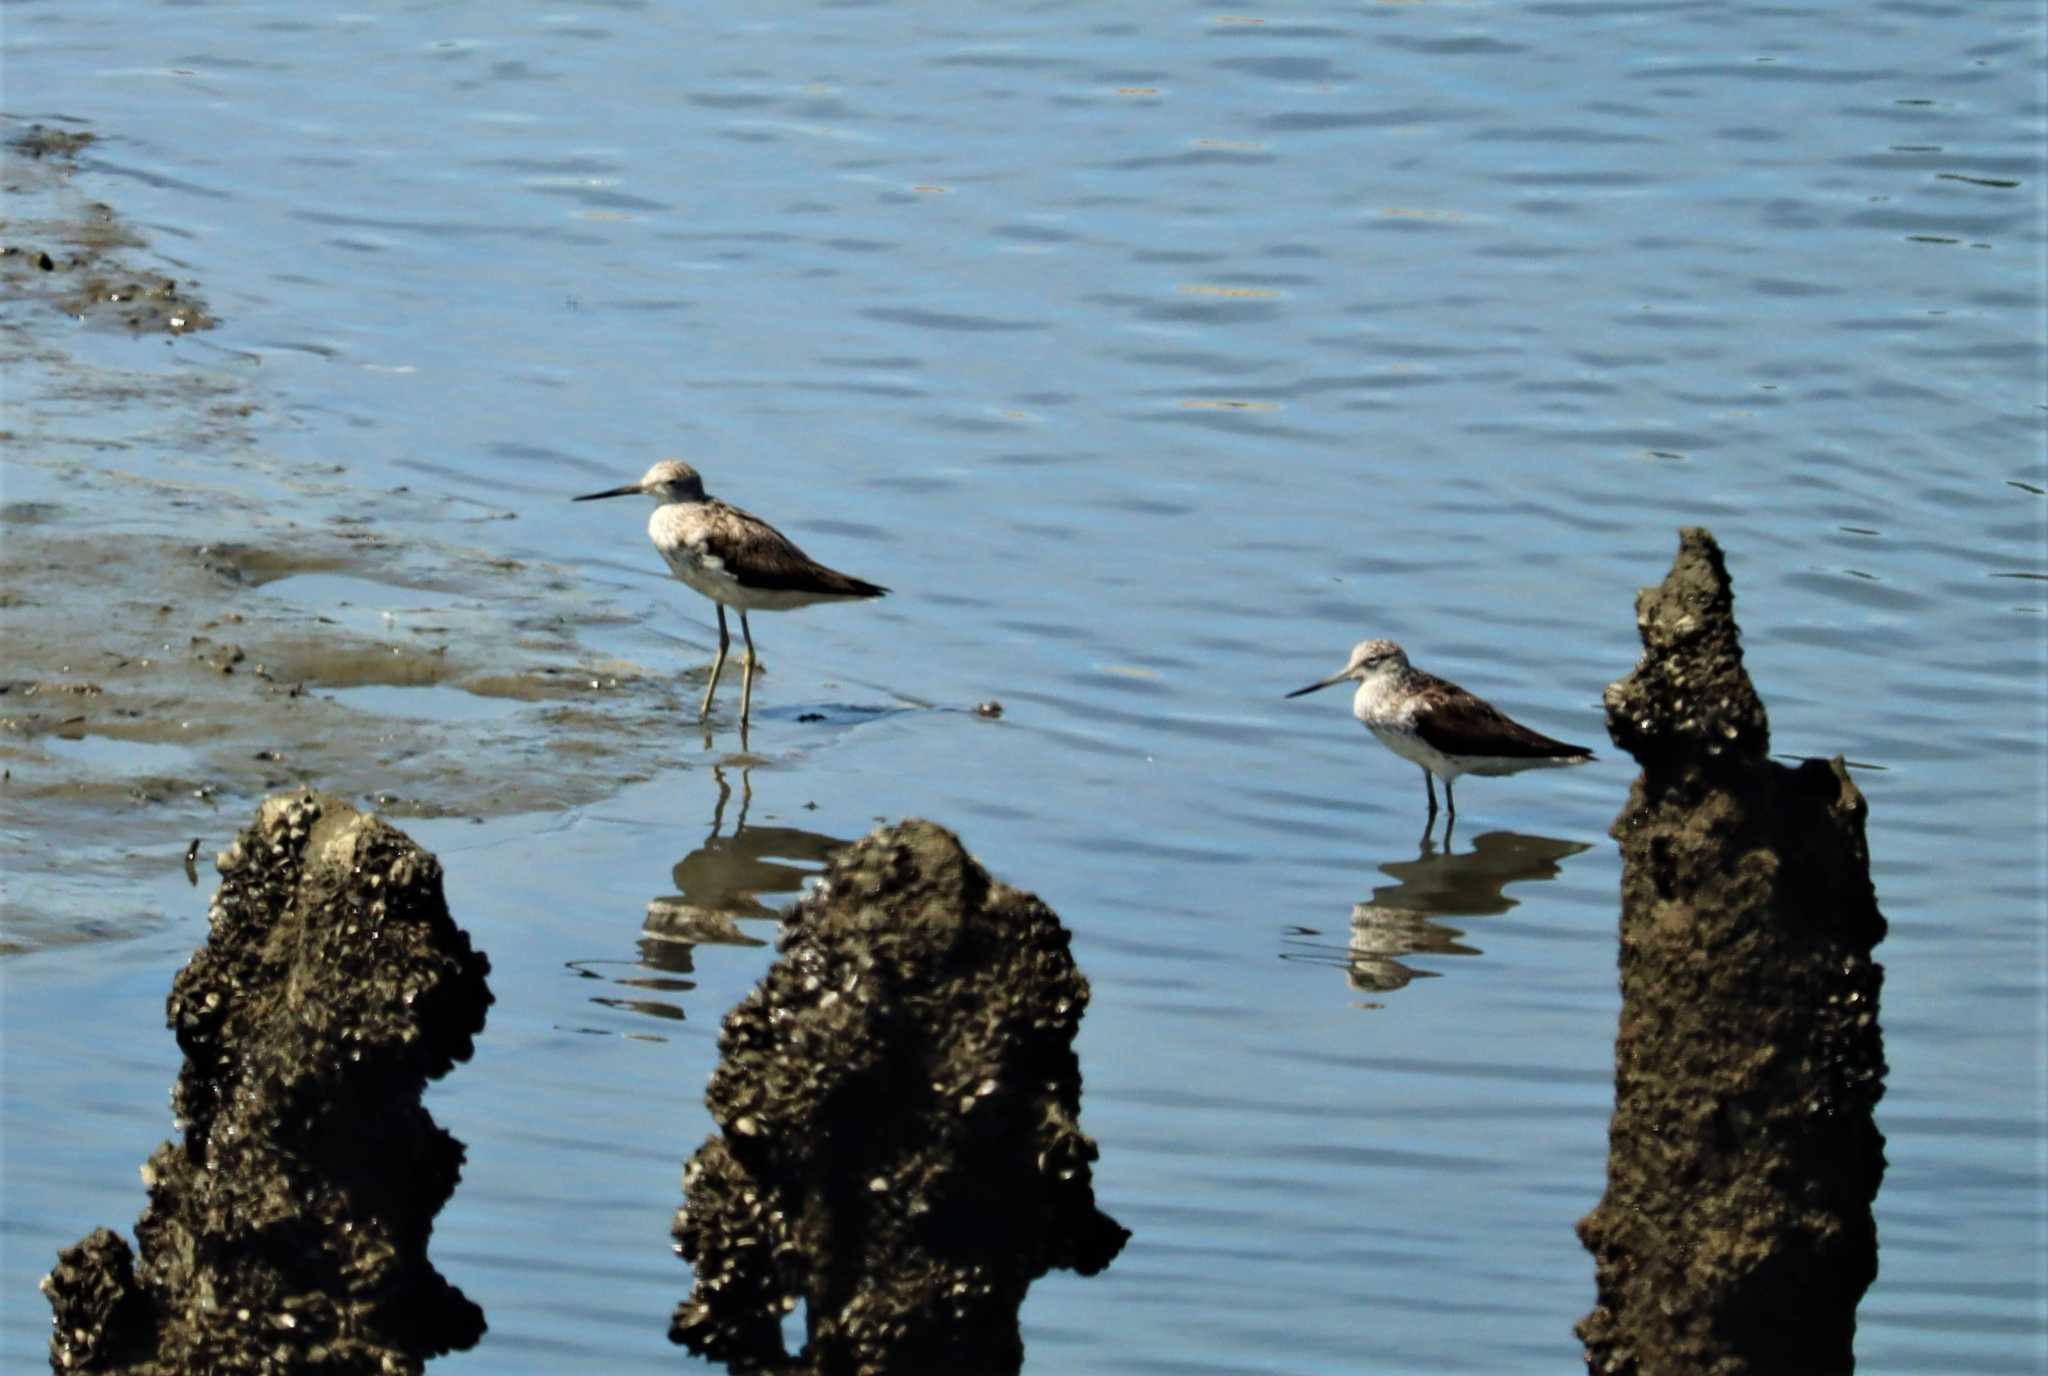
(288,1230)
(900,1147)
(1736,1233)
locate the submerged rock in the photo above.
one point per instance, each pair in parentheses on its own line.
(287,1230)
(1736,1233)
(900,1148)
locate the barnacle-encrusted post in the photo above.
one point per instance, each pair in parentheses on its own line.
(899,1146)
(287,1229)
(1736,1233)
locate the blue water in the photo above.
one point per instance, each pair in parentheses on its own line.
(1153,357)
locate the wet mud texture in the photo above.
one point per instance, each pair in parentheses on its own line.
(208,672)
(900,1147)
(75,262)
(1736,1233)
(287,1231)
(201,610)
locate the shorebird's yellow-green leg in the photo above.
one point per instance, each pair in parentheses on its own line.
(746,675)
(724,639)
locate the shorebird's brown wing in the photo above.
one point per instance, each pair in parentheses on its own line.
(757,555)
(1452,721)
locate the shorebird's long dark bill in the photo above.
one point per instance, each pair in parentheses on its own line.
(630,490)
(1337,677)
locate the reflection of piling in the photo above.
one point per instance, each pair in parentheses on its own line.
(1735,1234)
(900,1148)
(287,1231)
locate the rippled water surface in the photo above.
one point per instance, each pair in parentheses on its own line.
(1153,355)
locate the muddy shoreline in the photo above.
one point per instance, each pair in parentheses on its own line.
(191,622)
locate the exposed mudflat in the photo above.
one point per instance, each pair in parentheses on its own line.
(191,623)
(77,255)
(154,685)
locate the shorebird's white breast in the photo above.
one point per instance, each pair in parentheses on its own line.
(1380,706)
(1389,714)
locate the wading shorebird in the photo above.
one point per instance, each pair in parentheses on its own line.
(1439,725)
(734,558)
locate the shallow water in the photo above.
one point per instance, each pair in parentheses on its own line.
(1153,360)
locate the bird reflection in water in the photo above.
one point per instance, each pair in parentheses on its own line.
(1400,919)
(719,888)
